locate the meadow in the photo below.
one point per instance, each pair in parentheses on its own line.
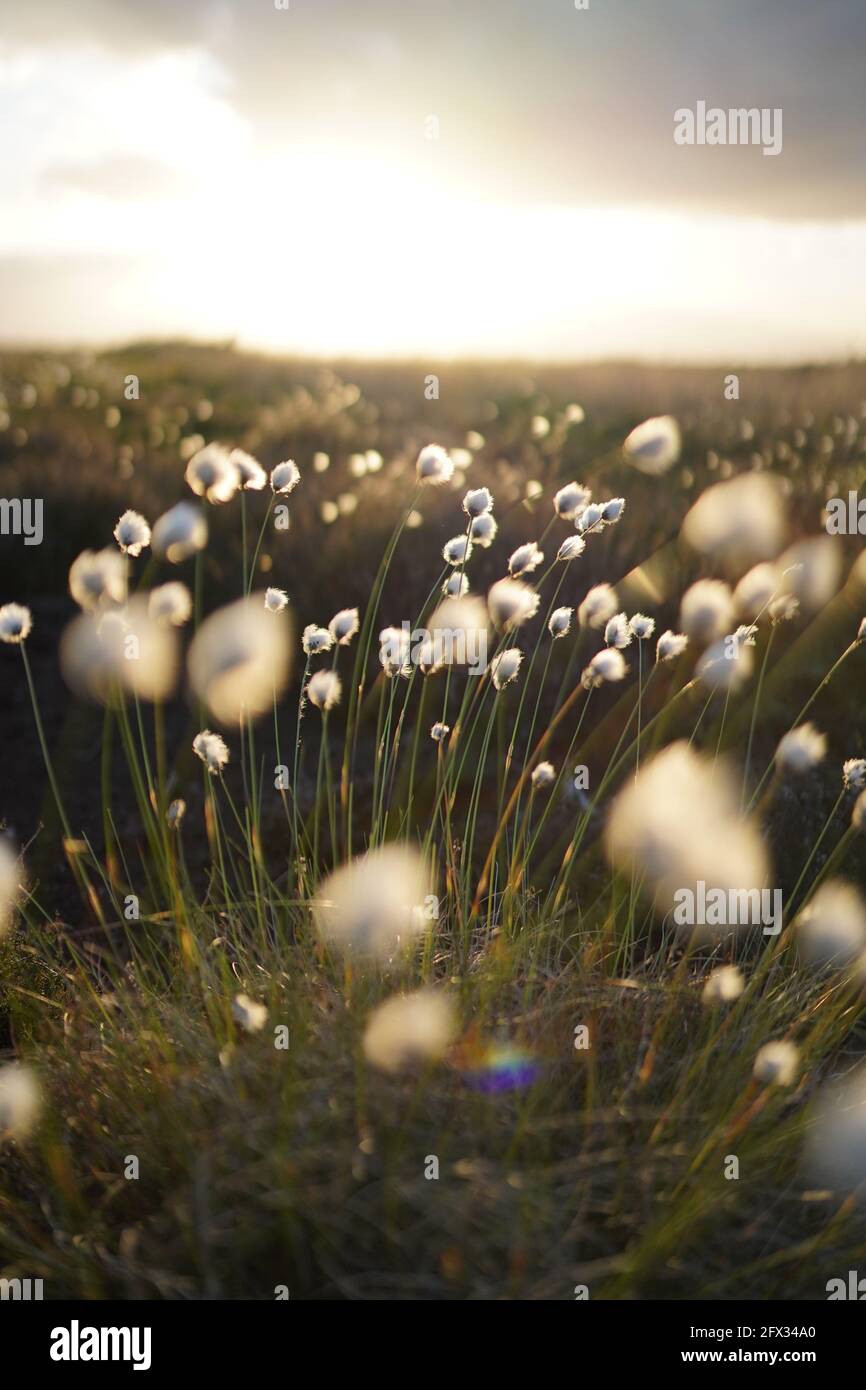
(399,762)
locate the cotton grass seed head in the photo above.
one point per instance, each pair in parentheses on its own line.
(606,666)
(285,478)
(617,632)
(394,652)
(477,501)
(252,476)
(408,1030)
(170,603)
(344,625)
(725,665)
(801,749)
(560,622)
(20,1102)
(831,929)
(723,986)
(97,579)
(483,529)
(324,689)
(612,510)
(16,623)
(457,551)
(671,645)
(570,500)
(315,639)
(212,474)
(525,559)
(590,519)
(175,814)
(599,604)
(707,611)
(654,446)
(434,466)
(836,1152)
(756,590)
(440,732)
(543,776)
(276,600)
(739,521)
(180,533)
(511,604)
(106,655)
(212,750)
(249,1013)
(132,533)
(505,666)
(239,660)
(777,1064)
(641,626)
(376,905)
(811,571)
(571,548)
(854,774)
(456,585)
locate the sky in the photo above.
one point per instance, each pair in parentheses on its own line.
(434,178)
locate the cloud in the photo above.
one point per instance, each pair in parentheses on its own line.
(122,176)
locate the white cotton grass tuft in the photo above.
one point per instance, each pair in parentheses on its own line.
(756,590)
(612,510)
(783,609)
(570,500)
(276,600)
(344,625)
(434,466)
(607,666)
(97,579)
(511,604)
(376,905)
(212,750)
(457,551)
(543,776)
(571,548)
(723,986)
(105,655)
(285,478)
(20,1101)
(408,1030)
(132,533)
(725,665)
(239,660)
(836,1151)
(739,521)
(811,571)
(707,611)
(854,774)
(16,623)
(175,813)
(654,446)
(11,875)
(801,749)
(559,624)
(671,645)
(170,603)
(599,604)
(461,627)
(211,474)
(315,639)
(617,632)
(249,1013)
(439,732)
(524,560)
(324,689)
(641,627)
(831,929)
(483,529)
(456,585)
(394,651)
(678,823)
(777,1063)
(505,666)
(250,472)
(180,533)
(590,519)
(477,501)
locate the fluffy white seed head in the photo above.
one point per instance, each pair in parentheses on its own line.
(608,665)
(739,521)
(477,501)
(511,604)
(801,749)
(756,590)
(811,571)
(777,1064)
(836,1151)
(344,625)
(376,905)
(612,510)
(249,1013)
(276,600)
(212,750)
(854,774)
(617,632)
(457,551)
(560,622)
(440,732)
(239,660)
(97,579)
(212,474)
(315,639)
(170,603)
(324,689)
(456,585)
(671,645)
(505,666)
(726,664)
(434,466)
(654,446)
(408,1030)
(525,559)
(707,611)
(723,986)
(483,529)
(105,655)
(252,476)
(543,775)
(571,547)
(831,929)
(132,533)
(642,627)
(180,533)
(285,477)
(599,604)
(20,1101)
(16,623)
(570,500)
(590,519)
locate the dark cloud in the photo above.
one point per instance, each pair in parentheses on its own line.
(537,101)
